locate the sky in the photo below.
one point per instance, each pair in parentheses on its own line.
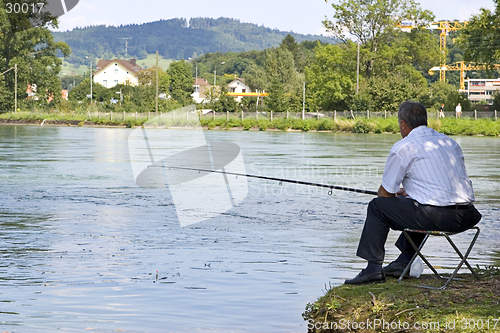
(300,16)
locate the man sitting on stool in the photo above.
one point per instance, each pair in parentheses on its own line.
(436,195)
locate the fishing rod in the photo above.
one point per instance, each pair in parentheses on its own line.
(282,180)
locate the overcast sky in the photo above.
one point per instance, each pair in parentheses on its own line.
(301,16)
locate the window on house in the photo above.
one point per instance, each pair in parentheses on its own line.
(116,71)
(243,90)
(105,83)
(116,82)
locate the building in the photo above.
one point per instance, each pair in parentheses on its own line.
(482,90)
(238,86)
(109,73)
(201,88)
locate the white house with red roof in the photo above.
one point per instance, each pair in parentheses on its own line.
(201,87)
(238,86)
(109,73)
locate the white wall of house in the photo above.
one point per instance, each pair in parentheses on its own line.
(237,86)
(114,74)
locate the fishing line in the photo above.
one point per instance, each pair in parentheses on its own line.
(281,180)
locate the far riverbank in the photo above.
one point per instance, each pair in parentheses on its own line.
(449,126)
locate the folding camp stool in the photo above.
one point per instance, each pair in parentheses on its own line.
(443,234)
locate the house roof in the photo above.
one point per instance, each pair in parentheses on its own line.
(201,82)
(130,65)
(242,80)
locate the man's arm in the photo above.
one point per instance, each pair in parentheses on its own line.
(383,193)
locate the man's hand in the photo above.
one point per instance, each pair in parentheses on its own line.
(401,192)
(383,193)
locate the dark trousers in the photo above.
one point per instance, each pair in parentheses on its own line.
(398,213)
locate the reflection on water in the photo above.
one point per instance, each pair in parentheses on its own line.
(81,243)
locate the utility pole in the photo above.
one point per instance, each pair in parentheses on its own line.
(156,82)
(304,102)
(15,85)
(126,46)
(357,72)
(15,89)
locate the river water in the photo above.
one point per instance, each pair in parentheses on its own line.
(81,244)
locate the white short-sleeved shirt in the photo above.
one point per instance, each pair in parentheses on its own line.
(431,168)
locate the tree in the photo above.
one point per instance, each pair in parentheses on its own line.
(25,41)
(371,21)
(329,82)
(389,90)
(481,38)
(277,100)
(441,92)
(291,45)
(181,81)
(147,77)
(283,78)
(224,103)
(80,92)
(256,77)
(496,101)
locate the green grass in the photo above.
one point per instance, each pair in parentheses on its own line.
(463,304)
(150,61)
(449,126)
(72,70)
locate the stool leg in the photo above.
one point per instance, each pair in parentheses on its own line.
(420,254)
(463,257)
(408,267)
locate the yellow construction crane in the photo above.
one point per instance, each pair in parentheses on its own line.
(445,27)
(460,66)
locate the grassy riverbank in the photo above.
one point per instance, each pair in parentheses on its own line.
(450,126)
(465,306)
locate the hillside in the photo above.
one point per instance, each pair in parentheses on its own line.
(174,38)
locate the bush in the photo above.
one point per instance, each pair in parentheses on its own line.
(307,125)
(263,124)
(327,125)
(248,123)
(363,126)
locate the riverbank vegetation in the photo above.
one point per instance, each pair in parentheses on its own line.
(466,305)
(449,126)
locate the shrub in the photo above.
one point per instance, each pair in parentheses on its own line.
(263,124)
(248,123)
(363,126)
(327,125)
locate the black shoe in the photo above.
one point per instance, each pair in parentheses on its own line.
(377,277)
(395,269)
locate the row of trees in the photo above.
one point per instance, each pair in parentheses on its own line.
(392,65)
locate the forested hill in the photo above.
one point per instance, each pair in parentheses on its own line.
(174,38)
